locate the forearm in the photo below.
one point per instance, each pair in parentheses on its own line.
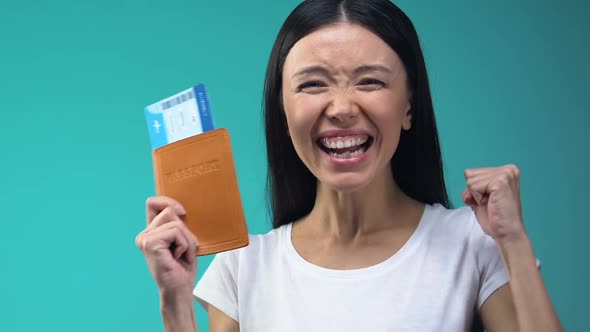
(178,313)
(534,310)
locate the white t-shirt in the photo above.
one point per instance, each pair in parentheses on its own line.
(445,271)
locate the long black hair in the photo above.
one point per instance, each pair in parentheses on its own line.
(417,162)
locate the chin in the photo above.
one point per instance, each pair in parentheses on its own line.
(345,183)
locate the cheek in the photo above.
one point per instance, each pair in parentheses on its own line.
(302,113)
(396,100)
(385,111)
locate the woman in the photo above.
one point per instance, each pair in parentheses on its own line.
(364,238)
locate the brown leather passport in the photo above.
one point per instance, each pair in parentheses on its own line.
(199,173)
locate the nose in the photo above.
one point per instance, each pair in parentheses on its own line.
(342,109)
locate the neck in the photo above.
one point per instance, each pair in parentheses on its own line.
(346,216)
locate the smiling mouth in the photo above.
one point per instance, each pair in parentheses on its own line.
(346,147)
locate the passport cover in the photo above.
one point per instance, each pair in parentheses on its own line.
(199,172)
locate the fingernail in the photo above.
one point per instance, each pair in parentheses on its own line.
(180,210)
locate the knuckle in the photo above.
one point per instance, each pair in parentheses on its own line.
(509,168)
(178,234)
(144,244)
(504,179)
(495,186)
(515,170)
(138,240)
(166,211)
(150,201)
(149,244)
(172,226)
(167,215)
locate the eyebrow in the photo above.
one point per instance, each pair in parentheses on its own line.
(358,71)
(371,68)
(312,70)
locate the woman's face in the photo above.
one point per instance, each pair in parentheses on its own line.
(346,101)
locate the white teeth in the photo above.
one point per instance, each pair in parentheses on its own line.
(348,154)
(339,143)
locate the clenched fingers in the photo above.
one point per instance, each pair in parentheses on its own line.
(156,204)
(172,237)
(167,215)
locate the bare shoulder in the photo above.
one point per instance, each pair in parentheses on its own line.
(498,312)
(220,322)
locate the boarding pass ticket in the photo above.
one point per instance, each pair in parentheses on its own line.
(180,116)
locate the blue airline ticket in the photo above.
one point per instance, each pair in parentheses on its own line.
(180,116)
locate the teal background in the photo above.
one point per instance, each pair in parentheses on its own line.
(509,82)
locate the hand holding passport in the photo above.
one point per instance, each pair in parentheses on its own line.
(193,164)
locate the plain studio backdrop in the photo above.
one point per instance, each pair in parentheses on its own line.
(509,82)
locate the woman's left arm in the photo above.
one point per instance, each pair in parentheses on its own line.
(523,304)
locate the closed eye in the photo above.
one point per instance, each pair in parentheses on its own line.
(311,86)
(371,81)
(370,84)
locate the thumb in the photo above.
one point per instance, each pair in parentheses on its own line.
(468,198)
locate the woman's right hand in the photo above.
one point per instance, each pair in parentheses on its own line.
(168,246)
